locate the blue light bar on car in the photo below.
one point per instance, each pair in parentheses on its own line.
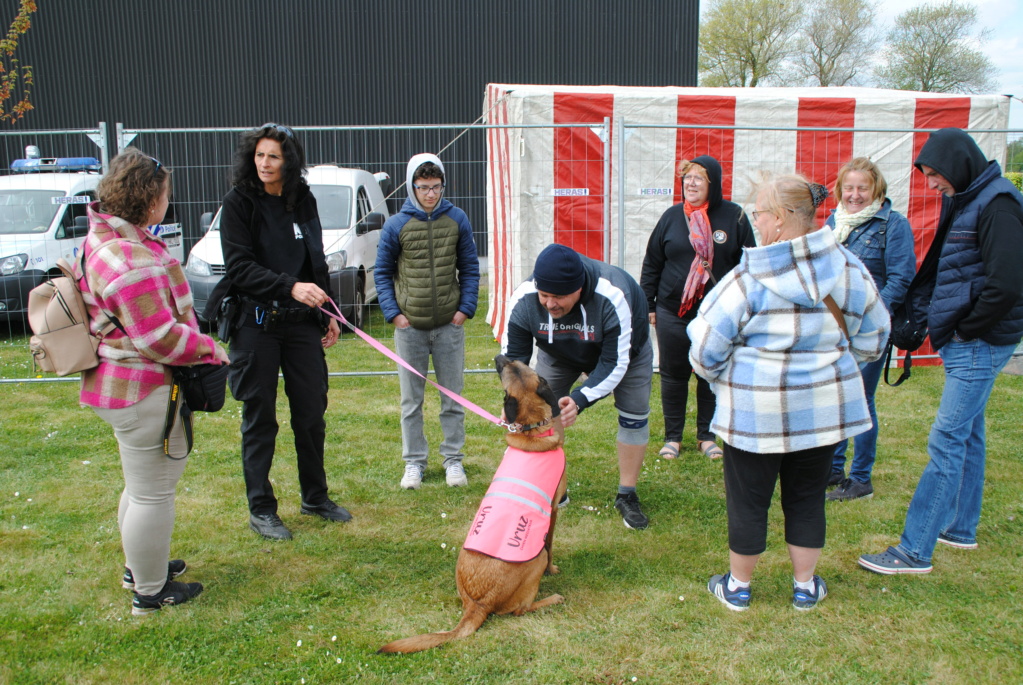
(56,164)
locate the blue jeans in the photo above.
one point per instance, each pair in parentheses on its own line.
(447,346)
(864,444)
(948,497)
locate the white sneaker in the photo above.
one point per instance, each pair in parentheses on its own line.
(456,476)
(413,477)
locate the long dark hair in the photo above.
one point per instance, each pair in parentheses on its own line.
(243,174)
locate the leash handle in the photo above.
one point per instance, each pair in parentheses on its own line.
(390,354)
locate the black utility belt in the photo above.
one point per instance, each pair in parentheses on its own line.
(272,316)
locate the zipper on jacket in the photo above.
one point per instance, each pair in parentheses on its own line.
(433,266)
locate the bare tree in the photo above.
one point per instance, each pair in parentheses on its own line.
(15,80)
(745,42)
(929,49)
(838,42)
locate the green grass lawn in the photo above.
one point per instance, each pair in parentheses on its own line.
(636,608)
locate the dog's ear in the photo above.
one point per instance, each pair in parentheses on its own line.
(511,408)
(547,395)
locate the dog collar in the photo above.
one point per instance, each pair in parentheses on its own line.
(519,428)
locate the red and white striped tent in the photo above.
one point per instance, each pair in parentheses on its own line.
(603,196)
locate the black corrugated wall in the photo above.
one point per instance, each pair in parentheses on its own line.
(235,63)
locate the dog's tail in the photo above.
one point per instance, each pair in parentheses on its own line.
(472,619)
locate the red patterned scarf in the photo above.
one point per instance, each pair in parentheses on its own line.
(703,243)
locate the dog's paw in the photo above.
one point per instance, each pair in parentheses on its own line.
(552,570)
(557,599)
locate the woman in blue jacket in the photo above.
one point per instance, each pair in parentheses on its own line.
(865,223)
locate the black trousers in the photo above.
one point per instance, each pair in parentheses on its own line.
(257,356)
(749,485)
(673,349)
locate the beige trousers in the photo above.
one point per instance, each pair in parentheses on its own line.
(146,512)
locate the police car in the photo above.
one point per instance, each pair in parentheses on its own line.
(43,218)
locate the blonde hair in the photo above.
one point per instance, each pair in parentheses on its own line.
(864,166)
(791,194)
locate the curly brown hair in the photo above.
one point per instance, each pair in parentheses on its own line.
(132,185)
(244,173)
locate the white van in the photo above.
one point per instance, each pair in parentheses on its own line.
(352,212)
(43,218)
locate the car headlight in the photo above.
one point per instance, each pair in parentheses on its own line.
(14,264)
(336,261)
(197,267)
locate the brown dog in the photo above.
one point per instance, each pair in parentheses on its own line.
(489,585)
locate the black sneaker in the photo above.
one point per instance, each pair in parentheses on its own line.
(172,593)
(174,569)
(836,478)
(326,510)
(269,526)
(563,502)
(632,515)
(850,489)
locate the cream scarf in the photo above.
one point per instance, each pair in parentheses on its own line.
(845,222)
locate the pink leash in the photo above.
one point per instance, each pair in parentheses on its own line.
(379,347)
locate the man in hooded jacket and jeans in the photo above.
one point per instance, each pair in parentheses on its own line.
(969,295)
(427,276)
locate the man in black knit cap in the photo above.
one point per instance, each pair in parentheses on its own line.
(588,317)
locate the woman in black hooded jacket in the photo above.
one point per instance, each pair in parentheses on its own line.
(694,244)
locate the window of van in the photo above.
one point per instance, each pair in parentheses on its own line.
(27,211)
(74,211)
(364,204)
(335,206)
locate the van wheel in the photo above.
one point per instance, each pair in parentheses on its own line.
(360,310)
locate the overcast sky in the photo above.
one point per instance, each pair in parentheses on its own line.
(1004,48)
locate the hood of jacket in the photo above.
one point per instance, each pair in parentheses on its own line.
(713,167)
(413,164)
(955,155)
(803,271)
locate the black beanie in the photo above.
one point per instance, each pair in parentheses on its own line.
(558,270)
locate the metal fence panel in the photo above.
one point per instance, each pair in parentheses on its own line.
(625,213)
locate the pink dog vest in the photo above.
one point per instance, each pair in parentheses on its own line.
(515,514)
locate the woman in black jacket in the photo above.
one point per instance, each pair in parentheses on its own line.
(273,249)
(694,244)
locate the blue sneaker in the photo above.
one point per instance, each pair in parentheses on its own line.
(958,544)
(736,601)
(804,600)
(891,562)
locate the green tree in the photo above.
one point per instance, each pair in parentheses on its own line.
(15,79)
(745,42)
(929,49)
(1014,157)
(837,42)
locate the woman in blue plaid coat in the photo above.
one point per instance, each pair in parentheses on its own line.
(780,339)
